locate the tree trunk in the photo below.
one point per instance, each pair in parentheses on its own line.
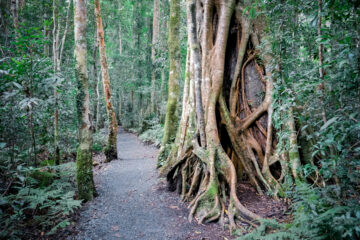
(195,54)
(98,116)
(111,148)
(84,173)
(58,49)
(171,118)
(95,81)
(231,77)
(56,69)
(321,59)
(155,38)
(14,11)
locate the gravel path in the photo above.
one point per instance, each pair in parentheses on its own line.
(133,202)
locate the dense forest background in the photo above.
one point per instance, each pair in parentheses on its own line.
(308,50)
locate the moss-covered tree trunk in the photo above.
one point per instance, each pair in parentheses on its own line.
(236,88)
(172,116)
(111,148)
(84,173)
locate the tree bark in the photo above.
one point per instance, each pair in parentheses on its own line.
(195,53)
(171,118)
(206,174)
(321,59)
(111,148)
(56,69)
(14,11)
(84,173)
(155,38)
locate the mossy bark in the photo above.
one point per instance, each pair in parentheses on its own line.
(233,75)
(172,115)
(111,148)
(84,174)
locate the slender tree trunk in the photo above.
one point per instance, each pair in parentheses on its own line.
(62,43)
(120,41)
(120,31)
(84,173)
(46,31)
(162,94)
(155,38)
(195,53)
(14,11)
(95,83)
(111,148)
(171,118)
(97,126)
(321,59)
(58,49)
(56,69)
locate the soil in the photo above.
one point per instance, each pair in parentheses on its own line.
(134,203)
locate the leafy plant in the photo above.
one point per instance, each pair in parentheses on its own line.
(35,205)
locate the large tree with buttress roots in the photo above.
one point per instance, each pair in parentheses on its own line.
(226,133)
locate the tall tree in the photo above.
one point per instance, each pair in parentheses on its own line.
(201,167)
(155,38)
(111,148)
(58,50)
(196,60)
(172,116)
(84,173)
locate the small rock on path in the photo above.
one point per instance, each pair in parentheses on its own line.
(133,202)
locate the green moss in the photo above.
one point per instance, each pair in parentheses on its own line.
(44,178)
(213,189)
(84,175)
(163,154)
(110,152)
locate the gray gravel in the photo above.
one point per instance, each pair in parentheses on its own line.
(133,203)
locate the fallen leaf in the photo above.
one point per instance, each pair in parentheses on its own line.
(197,232)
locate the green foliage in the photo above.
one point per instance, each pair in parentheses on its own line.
(153,135)
(31,204)
(318,213)
(47,162)
(152,131)
(328,207)
(43,178)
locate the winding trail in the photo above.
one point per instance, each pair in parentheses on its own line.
(133,202)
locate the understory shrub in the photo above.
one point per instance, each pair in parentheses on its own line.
(317,213)
(152,131)
(38,201)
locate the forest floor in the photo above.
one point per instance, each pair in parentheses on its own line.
(133,202)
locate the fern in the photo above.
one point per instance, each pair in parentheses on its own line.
(45,208)
(318,214)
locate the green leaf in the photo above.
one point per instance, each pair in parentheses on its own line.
(328,123)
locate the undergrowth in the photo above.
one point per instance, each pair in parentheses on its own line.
(151,131)
(317,213)
(38,201)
